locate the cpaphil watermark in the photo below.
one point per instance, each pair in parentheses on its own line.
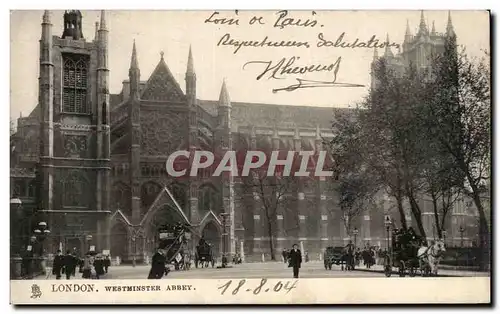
(243,163)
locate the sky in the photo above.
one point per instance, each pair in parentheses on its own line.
(172,32)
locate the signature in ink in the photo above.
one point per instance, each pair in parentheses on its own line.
(286,66)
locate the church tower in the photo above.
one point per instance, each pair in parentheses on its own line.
(74,163)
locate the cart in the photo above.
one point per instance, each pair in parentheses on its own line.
(402,254)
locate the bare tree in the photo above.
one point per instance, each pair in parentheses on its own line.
(271,194)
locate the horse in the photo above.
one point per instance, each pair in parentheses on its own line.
(431,256)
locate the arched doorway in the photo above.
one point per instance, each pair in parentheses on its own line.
(211,234)
(166,216)
(119,241)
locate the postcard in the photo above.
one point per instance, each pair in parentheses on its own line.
(250,157)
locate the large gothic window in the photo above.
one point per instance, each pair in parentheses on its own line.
(76,192)
(75,72)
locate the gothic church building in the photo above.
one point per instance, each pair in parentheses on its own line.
(92,163)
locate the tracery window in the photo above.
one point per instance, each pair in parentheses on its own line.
(75,72)
(208,199)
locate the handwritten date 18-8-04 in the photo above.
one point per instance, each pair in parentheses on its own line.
(264,287)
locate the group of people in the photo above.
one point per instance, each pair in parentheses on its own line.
(89,266)
(367,255)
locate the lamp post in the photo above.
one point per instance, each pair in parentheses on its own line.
(89,241)
(444,233)
(41,233)
(224,239)
(462,230)
(355,232)
(134,252)
(15,221)
(387,223)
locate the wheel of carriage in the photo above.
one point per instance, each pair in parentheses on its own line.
(388,270)
(427,271)
(402,270)
(412,271)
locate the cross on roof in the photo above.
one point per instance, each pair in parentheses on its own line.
(161,54)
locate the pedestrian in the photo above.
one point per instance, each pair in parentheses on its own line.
(99,266)
(157,265)
(349,251)
(107,263)
(69,264)
(284,255)
(87,267)
(58,264)
(295,258)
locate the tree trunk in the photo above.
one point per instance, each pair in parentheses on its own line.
(484,239)
(401,210)
(271,242)
(436,214)
(415,209)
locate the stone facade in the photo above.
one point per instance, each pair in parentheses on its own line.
(99,164)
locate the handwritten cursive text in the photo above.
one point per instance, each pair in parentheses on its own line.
(286,66)
(227,40)
(222,21)
(284,21)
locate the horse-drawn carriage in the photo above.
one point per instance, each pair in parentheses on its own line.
(339,255)
(204,254)
(174,241)
(409,254)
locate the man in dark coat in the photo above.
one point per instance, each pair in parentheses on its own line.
(157,265)
(69,264)
(349,255)
(58,264)
(107,263)
(295,258)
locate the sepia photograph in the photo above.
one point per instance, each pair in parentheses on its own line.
(249,152)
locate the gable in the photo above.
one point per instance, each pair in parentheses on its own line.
(162,85)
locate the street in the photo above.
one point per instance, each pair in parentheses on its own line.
(313,269)
(247,270)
